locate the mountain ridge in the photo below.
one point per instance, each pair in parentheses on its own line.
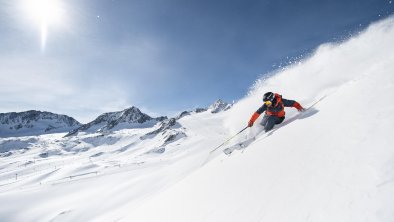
(12,123)
(33,122)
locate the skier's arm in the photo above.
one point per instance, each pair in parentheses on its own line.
(292,103)
(256,115)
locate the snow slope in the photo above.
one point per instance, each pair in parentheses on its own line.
(335,163)
(99,177)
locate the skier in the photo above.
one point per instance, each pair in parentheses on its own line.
(274,107)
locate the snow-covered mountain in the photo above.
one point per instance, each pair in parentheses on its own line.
(128,118)
(219,106)
(335,162)
(35,123)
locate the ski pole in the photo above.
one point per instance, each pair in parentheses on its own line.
(229,139)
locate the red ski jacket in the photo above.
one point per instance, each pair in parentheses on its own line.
(276,109)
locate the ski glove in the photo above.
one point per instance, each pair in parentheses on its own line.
(253,118)
(298,107)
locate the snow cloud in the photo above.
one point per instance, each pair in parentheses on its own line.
(331,66)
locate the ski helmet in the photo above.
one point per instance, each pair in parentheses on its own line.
(269,96)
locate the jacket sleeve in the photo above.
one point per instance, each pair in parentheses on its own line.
(261,109)
(291,103)
(288,102)
(256,115)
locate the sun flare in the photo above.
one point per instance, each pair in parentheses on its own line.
(44,13)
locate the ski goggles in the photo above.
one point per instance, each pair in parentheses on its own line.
(268,103)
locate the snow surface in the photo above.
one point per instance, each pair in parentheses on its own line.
(332,163)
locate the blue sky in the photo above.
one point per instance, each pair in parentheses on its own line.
(164,56)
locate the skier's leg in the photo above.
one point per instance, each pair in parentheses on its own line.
(264,120)
(271,121)
(280,120)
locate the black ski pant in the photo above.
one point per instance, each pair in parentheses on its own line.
(269,122)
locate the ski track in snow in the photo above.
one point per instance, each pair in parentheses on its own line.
(335,163)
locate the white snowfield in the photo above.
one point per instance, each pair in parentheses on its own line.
(334,162)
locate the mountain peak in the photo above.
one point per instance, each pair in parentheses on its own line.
(219,106)
(131,117)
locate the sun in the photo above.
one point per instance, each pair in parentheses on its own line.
(48,11)
(44,13)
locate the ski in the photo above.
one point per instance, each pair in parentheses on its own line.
(239,146)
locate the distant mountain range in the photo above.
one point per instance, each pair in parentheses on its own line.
(31,123)
(128,118)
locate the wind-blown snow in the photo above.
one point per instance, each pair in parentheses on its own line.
(333,163)
(330,67)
